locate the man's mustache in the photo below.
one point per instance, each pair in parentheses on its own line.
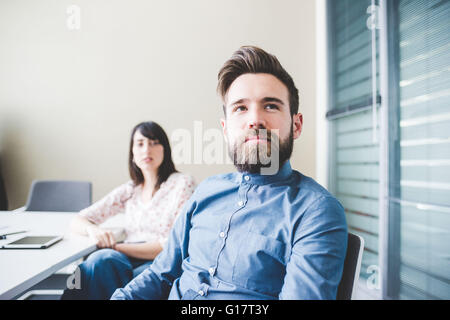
(257,133)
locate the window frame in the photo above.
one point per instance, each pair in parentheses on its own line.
(389,73)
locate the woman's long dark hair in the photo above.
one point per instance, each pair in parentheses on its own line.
(153,131)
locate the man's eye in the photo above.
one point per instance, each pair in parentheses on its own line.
(239,108)
(271,106)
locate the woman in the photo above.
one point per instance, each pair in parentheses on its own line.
(151,203)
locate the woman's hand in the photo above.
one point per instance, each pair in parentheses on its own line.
(103,238)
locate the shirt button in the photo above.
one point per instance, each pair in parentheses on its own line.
(201,293)
(240,203)
(246,178)
(222,234)
(211,271)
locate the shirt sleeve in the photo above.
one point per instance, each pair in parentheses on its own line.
(182,189)
(110,205)
(156,281)
(318,253)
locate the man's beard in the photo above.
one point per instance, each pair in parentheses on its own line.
(261,158)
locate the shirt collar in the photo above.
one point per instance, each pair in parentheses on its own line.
(254,178)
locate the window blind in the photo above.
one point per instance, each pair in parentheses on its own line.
(357,180)
(352,60)
(424,203)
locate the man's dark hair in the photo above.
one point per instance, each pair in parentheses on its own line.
(152,131)
(250,59)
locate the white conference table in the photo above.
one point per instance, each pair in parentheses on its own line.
(23,268)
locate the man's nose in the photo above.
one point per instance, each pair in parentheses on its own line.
(256,120)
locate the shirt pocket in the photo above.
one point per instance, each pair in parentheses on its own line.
(260,264)
(192,295)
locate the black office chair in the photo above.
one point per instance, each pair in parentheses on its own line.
(352,267)
(57,195)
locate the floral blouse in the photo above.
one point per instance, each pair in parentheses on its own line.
(150,221)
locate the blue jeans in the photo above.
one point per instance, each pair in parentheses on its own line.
(103,272)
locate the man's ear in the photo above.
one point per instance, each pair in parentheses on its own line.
(223,123)
(297,123)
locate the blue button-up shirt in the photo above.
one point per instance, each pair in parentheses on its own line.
(250,236)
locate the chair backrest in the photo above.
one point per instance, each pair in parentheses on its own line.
(56,195)
(352,267)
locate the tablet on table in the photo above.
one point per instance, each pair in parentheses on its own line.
(32,242)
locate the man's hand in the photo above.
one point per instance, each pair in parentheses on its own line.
(103,238)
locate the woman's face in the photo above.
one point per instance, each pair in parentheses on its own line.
(147,154)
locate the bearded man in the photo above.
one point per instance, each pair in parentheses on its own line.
(266,231)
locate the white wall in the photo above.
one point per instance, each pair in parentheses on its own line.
(69,99)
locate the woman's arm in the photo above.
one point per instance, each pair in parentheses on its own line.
(79,224)
(82,226)
(147,251)
(87,221)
